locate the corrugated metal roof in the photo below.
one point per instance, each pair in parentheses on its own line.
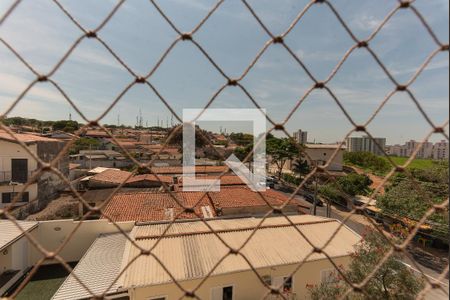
(190,251)
(98,268)
(9,231)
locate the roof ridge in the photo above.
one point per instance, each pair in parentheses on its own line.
(250,228)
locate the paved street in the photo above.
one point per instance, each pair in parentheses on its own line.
(359,223)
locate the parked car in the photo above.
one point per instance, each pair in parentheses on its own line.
(310,199)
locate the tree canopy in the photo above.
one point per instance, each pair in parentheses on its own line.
(351,185)
(394,280)
(368,161)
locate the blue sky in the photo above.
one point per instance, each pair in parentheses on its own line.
(92,78)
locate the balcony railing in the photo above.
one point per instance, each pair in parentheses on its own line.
(6,178)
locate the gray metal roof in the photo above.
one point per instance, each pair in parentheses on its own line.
(9,232)
(189,250)
(98,269)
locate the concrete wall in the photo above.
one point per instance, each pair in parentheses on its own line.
(324,154)
(32,190)
(51,234)
(6,259)
(9,150)
(255,210)
(245,284)
(49,184)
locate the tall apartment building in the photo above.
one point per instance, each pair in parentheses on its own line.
(441,150)
(301,136)
(366,144)
(438,151)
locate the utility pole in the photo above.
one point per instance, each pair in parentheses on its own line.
(315,195)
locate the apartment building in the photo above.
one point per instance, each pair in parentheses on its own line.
(114,266)
(366,144)
(437,151)
(17,166)
(300,136)
(441,150)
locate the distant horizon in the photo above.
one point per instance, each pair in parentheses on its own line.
(275,133)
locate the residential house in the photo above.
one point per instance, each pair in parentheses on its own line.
(89,159)
(17,166)
(192,251)
(320,154)
(113,178)
(160,206)
(14,251)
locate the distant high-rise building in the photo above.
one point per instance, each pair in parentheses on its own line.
(301,136)
(366,144)
(440,150)
(426,150)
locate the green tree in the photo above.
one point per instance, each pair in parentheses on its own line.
(84,144)
(301,167)
(242,139)
(368,161)
(394,280)
(346,186)
(66,126)
(201,136)
(280,151)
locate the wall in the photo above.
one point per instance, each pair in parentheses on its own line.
(6,259)
(324,154)
(51,234)
(246,284)
(255,210)
(32,190)
(9,150)
(49,184)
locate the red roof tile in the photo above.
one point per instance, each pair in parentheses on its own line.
(153,206)
(25,137)
(198,169)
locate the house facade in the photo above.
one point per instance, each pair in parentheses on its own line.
(17,166)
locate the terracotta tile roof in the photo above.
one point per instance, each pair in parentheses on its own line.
(114,176)
(198,169)
(224,180)
(151,177)
(136,206)
(233,197)
(25,137)
(97,133)
(111,176)
(155,206)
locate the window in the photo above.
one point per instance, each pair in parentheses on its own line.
(222,293)
(8,197)
(19,172)
(227,293)
(285,284)
(328,276)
